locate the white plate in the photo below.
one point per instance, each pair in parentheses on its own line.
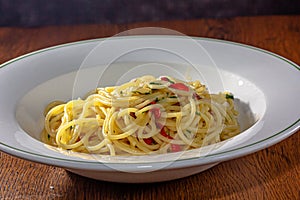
(266,84)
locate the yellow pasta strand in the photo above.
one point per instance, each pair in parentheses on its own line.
(147,115)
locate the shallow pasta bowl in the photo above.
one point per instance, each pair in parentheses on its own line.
(264,84)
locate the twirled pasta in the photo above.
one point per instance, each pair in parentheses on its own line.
(144,116)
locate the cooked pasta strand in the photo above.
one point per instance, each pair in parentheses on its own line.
(147,115)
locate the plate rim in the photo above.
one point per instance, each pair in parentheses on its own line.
(215,157)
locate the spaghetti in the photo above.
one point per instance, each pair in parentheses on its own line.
(147,115)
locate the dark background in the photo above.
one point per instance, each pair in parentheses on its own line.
(31,13)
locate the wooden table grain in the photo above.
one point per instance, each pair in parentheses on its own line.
(272,173)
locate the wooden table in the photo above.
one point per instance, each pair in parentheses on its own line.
(273,173)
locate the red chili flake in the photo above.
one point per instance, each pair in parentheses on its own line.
(148,141)
(175,148)
(196,96)
(166,79)
(179,86)
(163,133)
(132,114)
(156,112)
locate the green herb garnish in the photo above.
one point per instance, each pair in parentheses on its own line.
(229,96)
(155,83)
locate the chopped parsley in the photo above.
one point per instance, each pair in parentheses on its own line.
(229,96)
(155,83)
(138,92)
